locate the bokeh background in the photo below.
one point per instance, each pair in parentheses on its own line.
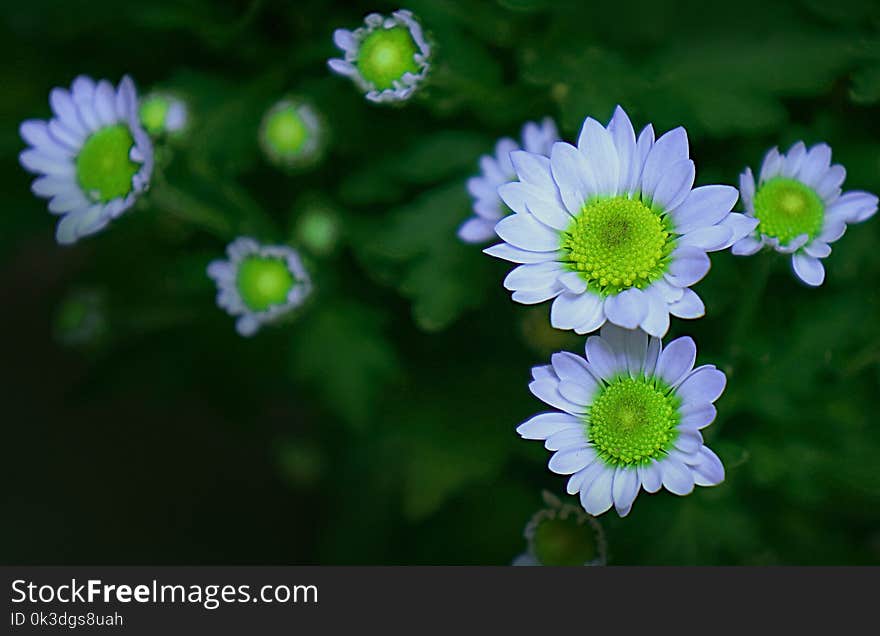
(378,428)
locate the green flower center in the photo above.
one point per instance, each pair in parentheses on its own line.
(633,421)
(786,209)
(618,243)
(560,541)
(103,167)
(285,131)
(153,112)
(263,282)
(385,55)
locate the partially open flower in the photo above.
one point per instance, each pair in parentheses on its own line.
(388,58)
(163,114)
(562,534)
(292,134)
(259,284)
(93,157)
(496,170)
(799,207)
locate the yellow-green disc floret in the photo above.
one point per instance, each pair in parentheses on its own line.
(618,243)
(263,282)
(385,55)
(104,169)
(787,208)
(153,112)
(633,421)
(285,131)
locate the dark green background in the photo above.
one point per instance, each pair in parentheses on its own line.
(379,427)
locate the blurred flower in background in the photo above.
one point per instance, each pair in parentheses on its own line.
(496,170)
(318,227)
(93,157)
(259,284)
(629,418)
(562,534)
(800,208)
(162,113)
(388,58)
(612,228)
(292,134)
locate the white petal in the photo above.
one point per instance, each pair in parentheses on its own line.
(771,166)
(624,138)
(627,309)
(596,496)
(602,358)
(597,145)
(624,489)
(688,265)
(704,206)
(791,163)
(570,310)
(695,417)
(709,471)
(105,102)
(573,282)
(676,360)
(746,246)
(690,305)
(573,368)
(677,478)
(747,190)
(532,276)
(566,439)
(544,425)
(674,185)
(516,255)
(808,269)
(573,176)
(708,239)
(535,297)
(651,477)
(704,385)
(740,226)
(547,391)
(576,392)
(689,441)
(656,321)
(533,169)
(818,249)
(854,206)
(815,164)
(477,230)
(829,184)
(566,462)
(526,232)
(668,149)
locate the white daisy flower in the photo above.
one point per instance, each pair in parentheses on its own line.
(562,534)
(163,113)
(799,207)
(388,58)
(259,283)
(93,157)
(292,134)
(612,229)
(497,170)
(628,417)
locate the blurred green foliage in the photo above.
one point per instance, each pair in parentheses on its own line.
(378,427)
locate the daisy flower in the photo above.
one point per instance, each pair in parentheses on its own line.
(799,207)
(612,228)
(93,157)
(259,283)
(163,113)
(562,534)
(496,170)
(627,417)
(292,134)
(388,58)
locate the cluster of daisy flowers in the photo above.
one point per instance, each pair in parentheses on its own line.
(610,230)
(94,158)
(613,232)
